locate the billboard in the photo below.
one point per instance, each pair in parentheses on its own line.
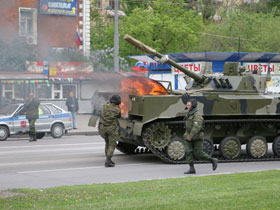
(59,7)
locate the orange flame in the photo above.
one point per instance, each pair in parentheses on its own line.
(139,86)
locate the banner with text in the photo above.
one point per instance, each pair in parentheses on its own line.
(263,67)
(59,7)
(194,66)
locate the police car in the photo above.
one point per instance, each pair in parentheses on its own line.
(52,119)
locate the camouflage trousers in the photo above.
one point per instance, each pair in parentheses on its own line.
(111,135)
(32,130)
(195,149)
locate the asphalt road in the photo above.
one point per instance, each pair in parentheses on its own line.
(79,160)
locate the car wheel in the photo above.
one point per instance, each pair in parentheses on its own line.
(57,130)
(4,133)
(40,135)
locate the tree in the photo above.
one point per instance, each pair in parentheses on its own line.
(166,26)
(129,6)
(258,32)
(208,9)
(273,4)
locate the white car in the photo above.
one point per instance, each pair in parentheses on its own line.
(52,119)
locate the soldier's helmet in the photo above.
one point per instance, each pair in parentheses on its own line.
(115,99)
(194,103)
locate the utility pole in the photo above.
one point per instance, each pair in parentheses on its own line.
(116,38)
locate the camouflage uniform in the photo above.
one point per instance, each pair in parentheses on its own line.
(194,123)
(32,114)
(108,127)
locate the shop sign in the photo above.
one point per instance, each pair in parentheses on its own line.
(59,7)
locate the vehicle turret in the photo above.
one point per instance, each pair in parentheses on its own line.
(234,79)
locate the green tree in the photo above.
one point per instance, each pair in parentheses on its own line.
(208,9)
(258,32)
(129,6)
(166,26)
(273,4)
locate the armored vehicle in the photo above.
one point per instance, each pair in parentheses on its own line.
(235,107)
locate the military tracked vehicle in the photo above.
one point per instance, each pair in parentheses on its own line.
(235,106)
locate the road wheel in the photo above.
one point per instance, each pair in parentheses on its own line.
(57,130)
(4,133)
(176,149)
(276,146)
(40,135)
(208,147)
(126,147)
(256,146)
(158,135)
(230,147)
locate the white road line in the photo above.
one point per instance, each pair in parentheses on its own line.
(51,145)
(84,168)
(47,150)
(54,155)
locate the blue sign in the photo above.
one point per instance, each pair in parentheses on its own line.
(59,7)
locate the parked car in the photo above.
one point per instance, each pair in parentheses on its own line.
(52,119)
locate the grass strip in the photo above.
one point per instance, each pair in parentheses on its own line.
(258,190)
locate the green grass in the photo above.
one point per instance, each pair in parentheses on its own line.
(260,190)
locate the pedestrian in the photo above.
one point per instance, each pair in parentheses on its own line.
(31,109)
(194,135)
(73,107)
(108,127)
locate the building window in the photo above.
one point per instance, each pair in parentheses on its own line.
(56,91)
(19,91)
(8,91)
(67,89)
(44,91)
(61,91)
(28,24)
(99,4)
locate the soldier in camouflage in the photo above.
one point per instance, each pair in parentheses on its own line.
(194,135)
(31,108)
(109,128)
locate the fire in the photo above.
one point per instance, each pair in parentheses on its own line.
(139,86)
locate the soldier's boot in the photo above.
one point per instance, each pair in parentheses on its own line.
(109,163)
(34,137)
(214,162)
(31,138)
(191,170)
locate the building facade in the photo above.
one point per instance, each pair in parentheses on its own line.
(47,25)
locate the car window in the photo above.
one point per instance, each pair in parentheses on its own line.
(8,109)
(43,110)
(54,109)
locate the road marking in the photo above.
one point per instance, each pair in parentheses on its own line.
(47,150)
(50,145)
(84,168)
(54,155)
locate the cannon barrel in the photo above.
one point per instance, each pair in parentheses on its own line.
(149,50)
